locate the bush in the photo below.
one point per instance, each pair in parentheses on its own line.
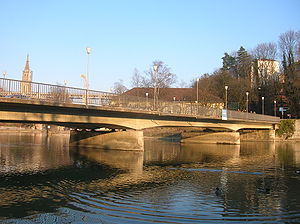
(286,128)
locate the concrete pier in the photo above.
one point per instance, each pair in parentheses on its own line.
(121,140)
(212,137)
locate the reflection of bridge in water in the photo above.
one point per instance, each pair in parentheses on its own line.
(86,109)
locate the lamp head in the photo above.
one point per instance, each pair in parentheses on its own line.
(88,50)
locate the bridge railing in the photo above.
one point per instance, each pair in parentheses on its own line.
(68,95)
(11,88)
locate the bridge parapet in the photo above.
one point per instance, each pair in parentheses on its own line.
(10,88)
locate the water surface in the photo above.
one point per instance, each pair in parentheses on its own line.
(43,180)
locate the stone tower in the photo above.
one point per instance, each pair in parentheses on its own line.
(26,78)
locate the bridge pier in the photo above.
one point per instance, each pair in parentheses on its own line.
(257,135)
(232,138)
(121,140)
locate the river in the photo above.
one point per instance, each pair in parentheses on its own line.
(44,180)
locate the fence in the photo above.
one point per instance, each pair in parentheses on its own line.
(11,88)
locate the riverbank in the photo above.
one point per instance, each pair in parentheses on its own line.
(291,133)
(30,130)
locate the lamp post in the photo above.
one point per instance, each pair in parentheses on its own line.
(88,51)
(86,88)
(147,100)
(226,106)
(155,68)
(275,108)
(197,90)
(262,105)
(247,101)
(4,74)
(197,95)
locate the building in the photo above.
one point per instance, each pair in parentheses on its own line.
(264,70)
(27,78)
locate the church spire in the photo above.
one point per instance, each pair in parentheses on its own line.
(27,64)
(27,74)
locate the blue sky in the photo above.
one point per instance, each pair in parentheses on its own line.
(190,36)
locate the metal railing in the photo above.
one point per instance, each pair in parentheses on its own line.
(10,88)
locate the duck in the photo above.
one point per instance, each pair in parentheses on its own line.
(264,190)
(218,191)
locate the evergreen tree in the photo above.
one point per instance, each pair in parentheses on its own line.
(244,63)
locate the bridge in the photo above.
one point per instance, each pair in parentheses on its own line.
(88,109)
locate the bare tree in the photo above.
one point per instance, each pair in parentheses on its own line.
(163,78)
(119,87)
(137,80)
(59,94)
(182,84)
(298,38)
(289,43)
(265,51)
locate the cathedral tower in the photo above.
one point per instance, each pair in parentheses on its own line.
(26,78)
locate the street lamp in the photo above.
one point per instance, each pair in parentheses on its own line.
(262,105)
(197,90)
(155,97)
(4,74)
(275,108)
(88,51)
(197,95)
(247,101)
(226,106)
(147,99)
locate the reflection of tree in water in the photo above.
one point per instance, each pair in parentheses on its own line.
(287,154)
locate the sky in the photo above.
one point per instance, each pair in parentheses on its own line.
(190,36)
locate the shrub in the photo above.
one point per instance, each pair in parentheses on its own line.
(286,128)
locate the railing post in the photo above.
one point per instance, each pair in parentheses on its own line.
(86,98)
(38,92)
(9,86)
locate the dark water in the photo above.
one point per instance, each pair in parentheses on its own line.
(43,180)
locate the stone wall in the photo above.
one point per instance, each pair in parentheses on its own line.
(296,135)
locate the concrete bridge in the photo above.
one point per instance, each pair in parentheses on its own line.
(131,117)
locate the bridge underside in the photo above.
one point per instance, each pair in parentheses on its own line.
(80,117)
(94,122)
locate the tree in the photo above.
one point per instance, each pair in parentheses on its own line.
(289,43)
(119,87)
(137,80)
(229,63)
(265,51)
(163,78)
(244,63)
